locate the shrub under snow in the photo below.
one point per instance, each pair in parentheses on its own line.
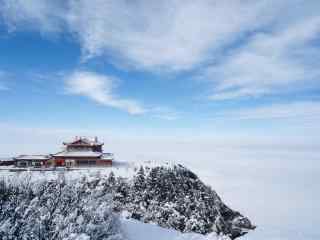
(56,210)
(84,208)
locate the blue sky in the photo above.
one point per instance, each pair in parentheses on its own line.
(171,68)
(175,80)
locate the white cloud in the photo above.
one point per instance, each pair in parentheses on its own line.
(269,63)
(248,48)
(43,15)
(175,35)
(171,34)
(100,88)
(299,110)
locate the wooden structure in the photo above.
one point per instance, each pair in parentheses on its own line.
(82,152)
(7,162)
(31,160)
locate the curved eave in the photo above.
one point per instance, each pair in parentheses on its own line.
(82,145)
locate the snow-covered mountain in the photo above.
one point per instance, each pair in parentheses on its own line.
(174,197)
(73,205)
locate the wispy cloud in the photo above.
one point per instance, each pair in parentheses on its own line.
(244,48)
(39,15)
(299,110)
(100,88)
(269,63)
(171,35)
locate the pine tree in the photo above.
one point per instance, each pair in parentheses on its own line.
(139,181)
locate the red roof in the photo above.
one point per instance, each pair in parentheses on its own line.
(78,154)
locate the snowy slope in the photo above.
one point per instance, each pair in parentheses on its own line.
(171,196)
(135,230)
(119,168)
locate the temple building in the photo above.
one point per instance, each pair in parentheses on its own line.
(82,152)
(36,161)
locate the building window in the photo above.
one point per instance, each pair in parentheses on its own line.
(36,164)
(82,162)
(22,164)
(92,162)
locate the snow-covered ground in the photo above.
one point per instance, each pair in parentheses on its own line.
(119,168)
(132,229)
(277,188)
(135,230)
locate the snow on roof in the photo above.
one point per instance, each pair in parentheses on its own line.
(6,159)
(84,141)
(32,157)
(107,156)
(78,154)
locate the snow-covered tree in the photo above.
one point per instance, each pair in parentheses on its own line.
(57,210)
